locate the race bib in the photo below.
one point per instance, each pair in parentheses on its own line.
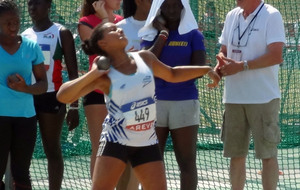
(140,115)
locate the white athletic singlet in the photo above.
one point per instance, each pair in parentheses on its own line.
(49,41)
(131,107)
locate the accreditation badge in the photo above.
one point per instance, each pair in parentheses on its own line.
(236,55)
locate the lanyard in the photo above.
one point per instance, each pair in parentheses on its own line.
(241,36)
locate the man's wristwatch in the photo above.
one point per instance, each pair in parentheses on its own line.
(246,66)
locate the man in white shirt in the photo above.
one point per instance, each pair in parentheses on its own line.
(252,41)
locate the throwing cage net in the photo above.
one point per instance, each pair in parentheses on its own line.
(212,167)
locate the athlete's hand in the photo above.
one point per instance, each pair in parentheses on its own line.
(95,67)
(215,78)
(221,62)
(72,119)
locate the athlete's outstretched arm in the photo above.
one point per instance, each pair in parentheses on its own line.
(178,73)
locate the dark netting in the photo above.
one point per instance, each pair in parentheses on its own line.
(212,167)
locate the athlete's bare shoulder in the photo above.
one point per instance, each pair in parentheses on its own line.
(145,53)
(148,57)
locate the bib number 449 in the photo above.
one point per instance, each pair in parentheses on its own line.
(142,115)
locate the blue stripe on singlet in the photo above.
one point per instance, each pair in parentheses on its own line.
(117,126)
(113,108)
(137,104)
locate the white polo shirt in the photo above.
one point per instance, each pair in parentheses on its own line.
(258,85)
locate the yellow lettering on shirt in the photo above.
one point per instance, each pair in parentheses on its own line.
(178,43)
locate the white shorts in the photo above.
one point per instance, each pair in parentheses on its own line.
(177,114)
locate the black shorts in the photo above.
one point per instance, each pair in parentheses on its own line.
(93,98)
(47,103)
(136,155)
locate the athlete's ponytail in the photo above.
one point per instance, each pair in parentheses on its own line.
(90,46)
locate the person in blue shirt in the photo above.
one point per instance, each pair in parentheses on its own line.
(20,58)
(178,107)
